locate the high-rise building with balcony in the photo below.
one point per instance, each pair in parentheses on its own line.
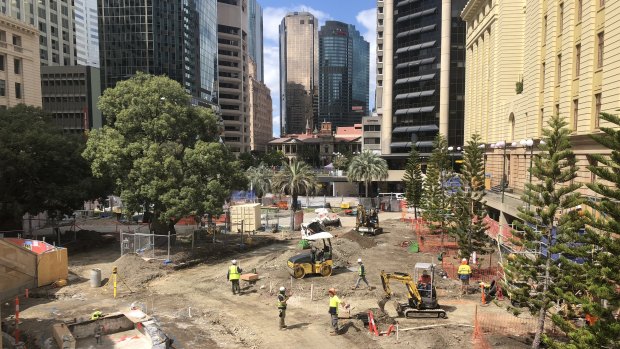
(343,74)
(420,74)
(233,77)
(299,72)
(176,38)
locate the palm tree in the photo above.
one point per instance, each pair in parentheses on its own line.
(367,167)
(295,178)
(260,179)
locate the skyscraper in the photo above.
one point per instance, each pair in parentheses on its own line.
(176,38)
(86,32)
(299,72)
(255,37)
(420,74)
(343,74)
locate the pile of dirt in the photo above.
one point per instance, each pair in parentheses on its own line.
(363,241)
(136,271)
(86,240)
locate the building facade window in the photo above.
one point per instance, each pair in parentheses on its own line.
(557,109)
(597,109)
(601,49)
(2,62)
(601,3)
(558,73)
(577,60)
(544,30)
(593,163)
(575,114)
(17,66)
(18,90)
(2,88)
(560,18)
(579,13)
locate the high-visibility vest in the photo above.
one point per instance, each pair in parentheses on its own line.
(233,273)
(464,269)
(333,304)
(281,301)
(361,270)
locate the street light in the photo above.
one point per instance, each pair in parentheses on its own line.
(502,144)
(450,149)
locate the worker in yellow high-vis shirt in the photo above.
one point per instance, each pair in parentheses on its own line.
(334,303)
(234,274)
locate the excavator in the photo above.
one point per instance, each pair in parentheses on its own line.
(422,298)
(367,221)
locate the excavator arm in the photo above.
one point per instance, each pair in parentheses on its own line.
(407,280)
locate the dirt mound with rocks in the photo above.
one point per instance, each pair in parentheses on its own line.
(362,240)
(136,271)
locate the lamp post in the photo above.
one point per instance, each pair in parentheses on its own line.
(529,143)
(502,144)
(450,149)
(484,164)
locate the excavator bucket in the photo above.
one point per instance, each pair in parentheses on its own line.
(382,302)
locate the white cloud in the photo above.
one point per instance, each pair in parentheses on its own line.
(368,20)
(272,17)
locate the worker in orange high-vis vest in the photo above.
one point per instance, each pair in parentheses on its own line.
(234,274)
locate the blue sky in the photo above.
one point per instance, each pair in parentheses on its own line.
(361,13)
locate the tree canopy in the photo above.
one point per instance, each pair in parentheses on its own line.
(548,227)
(468,205)
(414,182)
(41,168)
(367,167)
(162,152)
(435,200)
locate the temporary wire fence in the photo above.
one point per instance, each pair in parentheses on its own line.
(145,244)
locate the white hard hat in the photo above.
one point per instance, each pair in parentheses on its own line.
(282,289)
(464,260)
(359,260)
(234,261)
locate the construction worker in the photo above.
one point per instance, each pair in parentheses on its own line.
(234,274)
(464,273)
(361,274)
(334,302)
(282,298)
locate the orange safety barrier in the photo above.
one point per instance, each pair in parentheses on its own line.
(478,274)
(478,339)
(436,243)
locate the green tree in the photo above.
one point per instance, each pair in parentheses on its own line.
(340,161)
(534,277)
(295,178)
(260,179)
(249,159)
(162,152)
(367,167)
(40,168)
(274,158)
(435,200)
(469,210)
(594,283)
(414,181)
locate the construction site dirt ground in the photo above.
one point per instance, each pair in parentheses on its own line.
(196,308)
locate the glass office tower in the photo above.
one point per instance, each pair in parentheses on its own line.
(176,38)
(343,74)
(299,72)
